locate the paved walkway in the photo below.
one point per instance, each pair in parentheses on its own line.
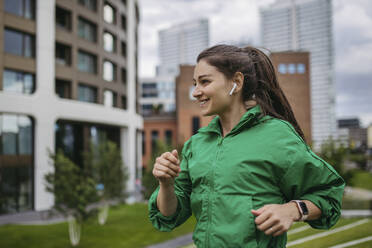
(178,242)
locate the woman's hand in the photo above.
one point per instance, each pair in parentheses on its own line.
(276,219)
(167,167)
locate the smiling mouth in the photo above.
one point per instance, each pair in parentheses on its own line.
(203,102)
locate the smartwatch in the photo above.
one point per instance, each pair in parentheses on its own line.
(302,209)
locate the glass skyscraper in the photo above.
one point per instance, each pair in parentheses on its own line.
(306,25)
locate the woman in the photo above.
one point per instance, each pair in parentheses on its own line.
(249,174)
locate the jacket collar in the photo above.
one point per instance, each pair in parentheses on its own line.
(245,120)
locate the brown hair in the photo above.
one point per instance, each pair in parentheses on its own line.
(260,81)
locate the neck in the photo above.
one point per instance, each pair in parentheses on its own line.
(230,118)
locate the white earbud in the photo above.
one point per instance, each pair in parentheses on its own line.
(233,88)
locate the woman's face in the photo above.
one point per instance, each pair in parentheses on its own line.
(211,89)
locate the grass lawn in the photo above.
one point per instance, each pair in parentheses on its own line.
(362,179)
(358,232)
(127,226)
(354,233)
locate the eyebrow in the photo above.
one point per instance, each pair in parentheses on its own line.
(201,76)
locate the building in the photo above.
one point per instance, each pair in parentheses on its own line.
(293,71)
(157,95)
(352,135)
(181,44)
(69,77)
(307,25)
(158,127)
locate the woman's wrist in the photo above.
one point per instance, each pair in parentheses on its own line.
(295,213)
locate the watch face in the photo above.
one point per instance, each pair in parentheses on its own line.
(304,209)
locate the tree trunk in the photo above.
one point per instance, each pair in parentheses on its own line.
(74,229)
(103,213)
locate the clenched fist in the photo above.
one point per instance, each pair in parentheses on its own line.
(167,167)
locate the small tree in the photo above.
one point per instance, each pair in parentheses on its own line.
(73,190)
(148,180)
(336,155)
(107,168)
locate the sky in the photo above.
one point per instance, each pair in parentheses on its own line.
(238,21)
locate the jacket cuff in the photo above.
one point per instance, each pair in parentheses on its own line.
(161,222)
(330,214)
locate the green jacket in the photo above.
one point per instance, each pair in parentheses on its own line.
(261,161)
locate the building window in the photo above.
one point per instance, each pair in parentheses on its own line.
(109,14)
(282,68)
(301,68)
(124,102)
(154,139)
(168,137)
(291,68)
(149,90)
(87,62)
(109,42)
(63,18)
(195,124)
(16,144)
(19,43)
(124,22)
(109,98)
(109,71)
(124,49)
(124,2)
(63,88)
(143,143)
(23,8)
(87,30)
(124,76)
(87,93)
(18,82)
(90,4)
(63,54)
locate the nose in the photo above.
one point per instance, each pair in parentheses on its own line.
(196,92)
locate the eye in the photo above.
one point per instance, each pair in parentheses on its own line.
(204,81)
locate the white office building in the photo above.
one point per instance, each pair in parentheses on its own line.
(307,25)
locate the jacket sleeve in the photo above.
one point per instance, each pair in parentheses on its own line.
(308,177)
(182,188)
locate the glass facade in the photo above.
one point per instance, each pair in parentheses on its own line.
(87,30)
(109,71)
(63,88)
(63,18)
(109,41)
(18,82)
(63,54)
(74,137)
(109,98)
(87,93)
(16,163)
(87,62)
(19,43)
(23,8)
(109,14)
(90,4)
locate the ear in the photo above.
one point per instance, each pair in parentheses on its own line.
(239,80)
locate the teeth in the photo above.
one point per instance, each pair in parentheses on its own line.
(203,102)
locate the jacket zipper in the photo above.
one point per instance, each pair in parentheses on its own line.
(210,197)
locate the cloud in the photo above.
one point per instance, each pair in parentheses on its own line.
(353,36)
(229,21)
